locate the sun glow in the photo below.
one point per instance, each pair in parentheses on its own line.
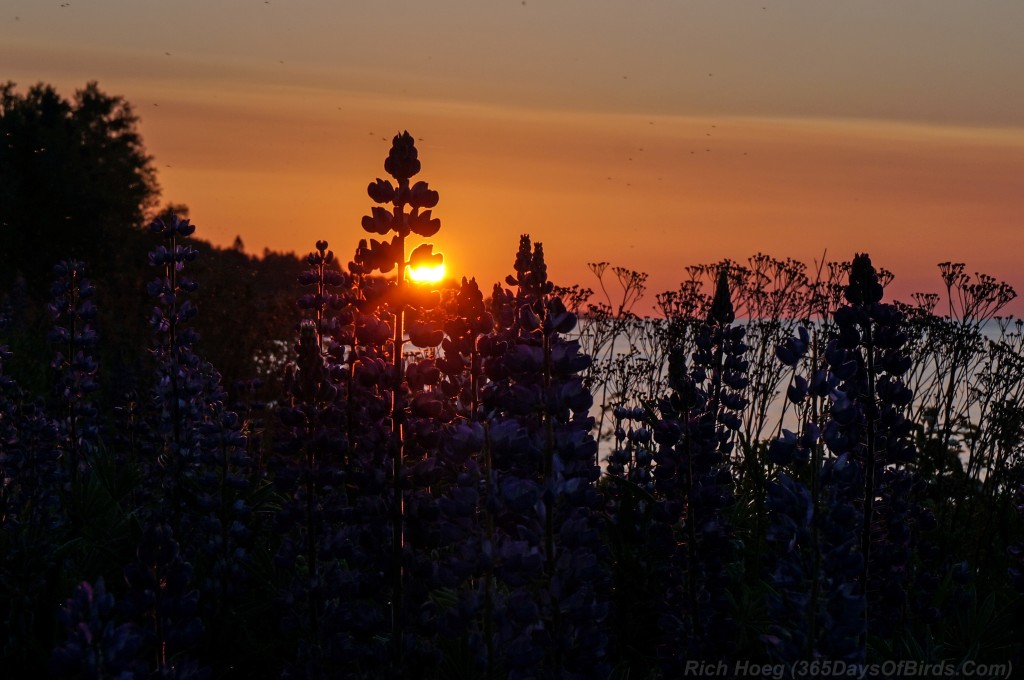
(426,274)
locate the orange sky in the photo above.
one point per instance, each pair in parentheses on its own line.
(650,134)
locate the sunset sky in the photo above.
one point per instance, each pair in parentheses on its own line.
(649,133)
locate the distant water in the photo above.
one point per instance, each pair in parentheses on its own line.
(990,331)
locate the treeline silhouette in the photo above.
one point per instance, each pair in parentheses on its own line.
(77,183)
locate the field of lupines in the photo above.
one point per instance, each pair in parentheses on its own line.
(525,481)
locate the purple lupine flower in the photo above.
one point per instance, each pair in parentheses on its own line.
(96,645)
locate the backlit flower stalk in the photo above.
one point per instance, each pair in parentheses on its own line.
(180,380)
(872,332)
(860,526)
(551,594)
(465,522)
(313,416)
(695,434)
(202,464)
(442,491)
(308,471)
(365,538)
(410,214)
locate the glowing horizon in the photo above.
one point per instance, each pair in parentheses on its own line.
(636,135)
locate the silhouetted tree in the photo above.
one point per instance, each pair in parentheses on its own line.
(74,179)
(76,183)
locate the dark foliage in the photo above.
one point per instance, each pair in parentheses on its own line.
(434,493)
(76,181)
(73,173)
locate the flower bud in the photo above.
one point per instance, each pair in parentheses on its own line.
(381,191)
(402,160)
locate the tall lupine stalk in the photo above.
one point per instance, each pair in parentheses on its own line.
(770,296)
(446,520)
(319,473)
(317,396)
(441,486)
(332,468)
(872,332)
(467,517)
(410,214)
(180,383)
(818,605)
(697,436)
(465,568)
(310,401)
(550,594)
(201,462)
(861,490)
(857,329)
(73,335)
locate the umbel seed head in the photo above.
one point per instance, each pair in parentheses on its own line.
(402,162)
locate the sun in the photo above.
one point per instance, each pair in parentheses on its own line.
(426,274)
